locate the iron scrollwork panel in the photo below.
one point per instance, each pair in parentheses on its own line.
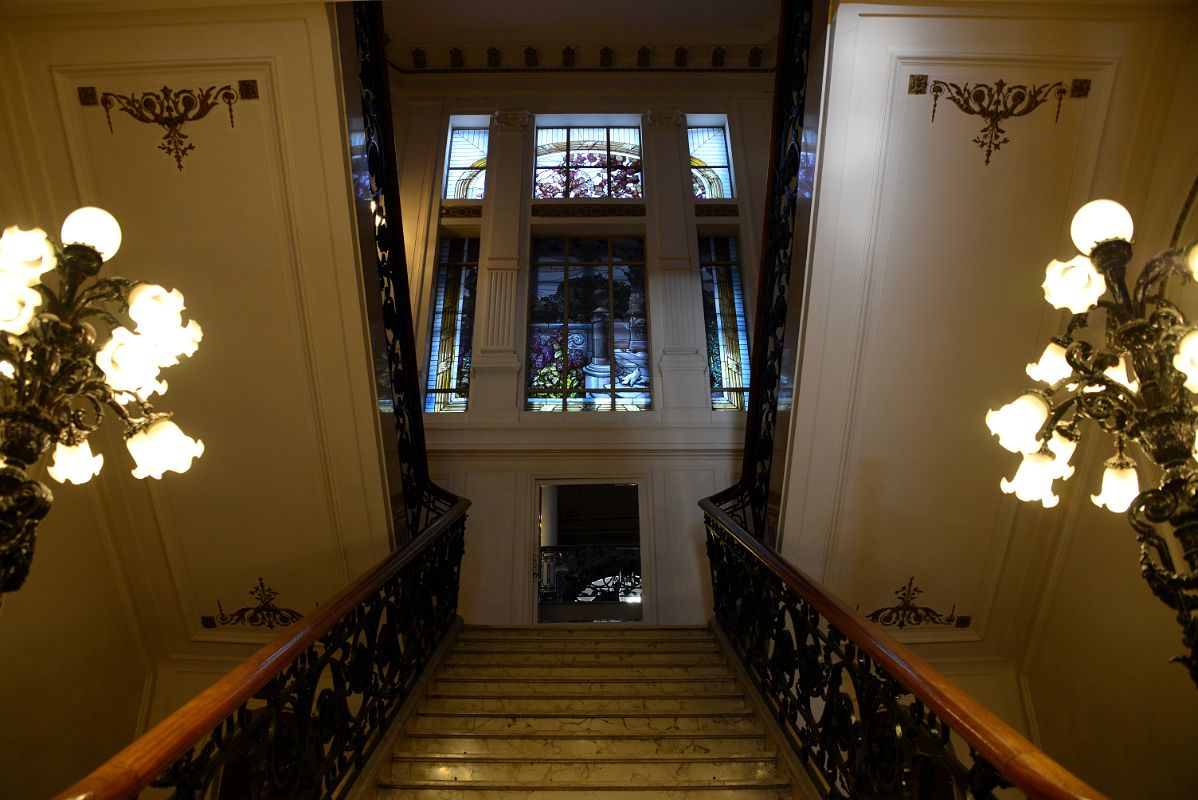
(857,730)
(309,732)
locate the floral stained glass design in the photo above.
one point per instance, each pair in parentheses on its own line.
(587,162)
(453,326)
(466,164)
(724,322)
(711,166)
(588,347)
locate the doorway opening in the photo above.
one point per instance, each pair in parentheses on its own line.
(589,558)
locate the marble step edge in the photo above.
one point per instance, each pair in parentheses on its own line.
(585,786)
(554,649)
(639,758)
(623,735)
(551,713)
(436,695)
(451,661)
(563,679)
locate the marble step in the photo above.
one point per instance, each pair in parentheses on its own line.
(550,656)
(619,687)
(619,643)
(535,702)
(583,632)
(640,770)
(583,672)
(729,790)
(579,744)
(632,722)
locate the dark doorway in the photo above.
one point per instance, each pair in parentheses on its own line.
(589,559)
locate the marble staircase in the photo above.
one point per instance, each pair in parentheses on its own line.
(613,712)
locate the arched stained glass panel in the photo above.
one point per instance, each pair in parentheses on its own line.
(711,166)
(466,164)
(587,162)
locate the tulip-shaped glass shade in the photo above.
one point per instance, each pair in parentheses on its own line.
(18,303)
(25,255)
(1033,480)
(1192,260)
(1098,221)
(162,447)
(1186,359)
(158,314)
(75,464)
(130,364)
(1073,284)
(1017,424)
(7,369)
(1118,373)
(1120,485)
(1051,367)
(1062,448)
(94,227)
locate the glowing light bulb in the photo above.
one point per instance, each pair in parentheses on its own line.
(161,447)
(1017,424)
(94,227)
(1120,485)
(1192,260)
(25,255)
(1098,221)
(158,314)
(1033,480)
(1186,359)
(18,303)
(130,364)
(1051,367)
(1073,284)
(75,464)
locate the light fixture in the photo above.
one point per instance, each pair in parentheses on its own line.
(1137,384)
(56,382)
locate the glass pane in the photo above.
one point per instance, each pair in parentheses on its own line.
(725,327)
(628,250)
(588,182)
(599,162)
(466,163)
(549,184)
(588,250)
(451,346)
(711,175)
(548,251)
(712,183)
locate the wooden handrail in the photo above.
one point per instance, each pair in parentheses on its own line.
(1004,748)
(132,769)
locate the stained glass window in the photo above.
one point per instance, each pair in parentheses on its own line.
(453,326)
(466,165)
(587,162)
(711,166)
(724,322)
(588,347)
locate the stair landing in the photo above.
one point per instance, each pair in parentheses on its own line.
(567,711)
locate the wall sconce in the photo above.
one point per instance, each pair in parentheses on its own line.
(56,382)
(1137,385)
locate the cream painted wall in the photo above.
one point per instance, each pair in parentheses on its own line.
(925,305)
(496,453)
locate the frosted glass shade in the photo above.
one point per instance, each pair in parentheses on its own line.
(1073,284)
(1120,485)
(158,314)
(18,303)
(25,255)
(1186,359)
(1018,423)
(162,447)
(130,364)
(1051,367)
(1100,220)
(1033,480)
(94,227)
(1192,261)
(75,464)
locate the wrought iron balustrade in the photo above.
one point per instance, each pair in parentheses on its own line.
(584,573)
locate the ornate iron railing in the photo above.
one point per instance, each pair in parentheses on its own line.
(301,717)
(866,716)
(570,573)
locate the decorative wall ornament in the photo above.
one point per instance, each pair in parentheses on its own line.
(264,615)
(171,110)
(589,210)
(994,103)
(511,121)
(461,212)
(717,210)
(666,119)
(905,612)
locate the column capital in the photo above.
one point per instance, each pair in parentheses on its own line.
(511,121)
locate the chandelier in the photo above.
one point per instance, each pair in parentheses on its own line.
(1136,381)
(58,376)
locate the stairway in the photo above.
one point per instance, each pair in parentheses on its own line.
(568,711)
